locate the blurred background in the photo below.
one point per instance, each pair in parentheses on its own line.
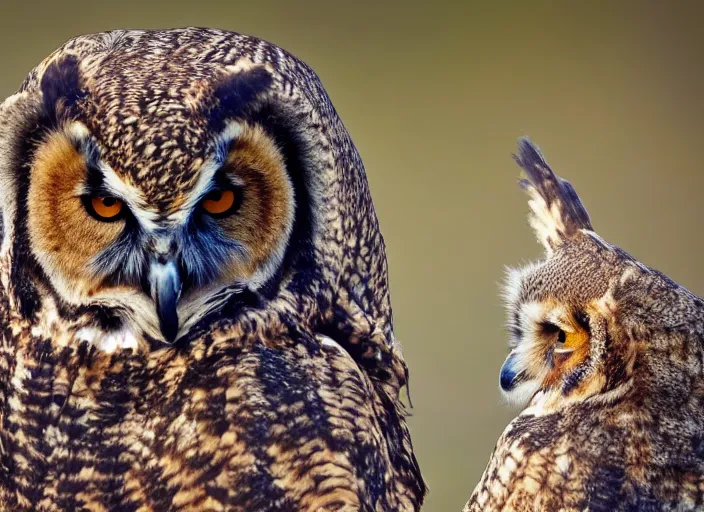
(435,95)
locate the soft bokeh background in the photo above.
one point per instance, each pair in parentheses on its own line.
(435,95)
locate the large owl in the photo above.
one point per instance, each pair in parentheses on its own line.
(608,355)
(194,298)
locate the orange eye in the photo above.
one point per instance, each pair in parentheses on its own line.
(219,202)
(106,208)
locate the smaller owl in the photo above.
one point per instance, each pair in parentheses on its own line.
(607,355)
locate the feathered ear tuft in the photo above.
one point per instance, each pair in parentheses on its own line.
(557,214)
(61,87)
(236,92)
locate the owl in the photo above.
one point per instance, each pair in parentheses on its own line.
(193,288)
(607,356)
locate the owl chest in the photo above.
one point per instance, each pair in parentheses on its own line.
(248,430)
(69,441)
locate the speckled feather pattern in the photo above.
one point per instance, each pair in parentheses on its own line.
(254,410)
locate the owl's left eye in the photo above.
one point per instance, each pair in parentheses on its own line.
(566,342)
(220,202)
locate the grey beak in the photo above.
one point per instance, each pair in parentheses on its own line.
(165,288)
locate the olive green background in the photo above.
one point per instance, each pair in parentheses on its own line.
(435,95)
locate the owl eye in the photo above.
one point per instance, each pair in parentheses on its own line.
(220,202)
(570,341)
(104,208)
(565,342)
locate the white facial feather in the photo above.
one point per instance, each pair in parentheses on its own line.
(521,394)
(123,338)
(511,287)
(527,357)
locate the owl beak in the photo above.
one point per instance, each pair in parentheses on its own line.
(510,377)
(165,288)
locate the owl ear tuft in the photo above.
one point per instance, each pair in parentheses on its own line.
(239,89)
(557,214)
(61,86)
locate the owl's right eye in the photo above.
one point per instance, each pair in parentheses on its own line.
(104,208)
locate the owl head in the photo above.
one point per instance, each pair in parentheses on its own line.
(149,198)
(588,319)
(153,179)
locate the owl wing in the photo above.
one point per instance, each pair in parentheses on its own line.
(576,462)
(516,474)
(283,425)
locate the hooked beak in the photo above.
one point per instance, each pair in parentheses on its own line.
(165,289)
(509,376)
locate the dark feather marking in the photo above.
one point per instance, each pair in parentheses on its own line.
(236,93)
(258,488)
(604,488)
(61,87)
(282,127)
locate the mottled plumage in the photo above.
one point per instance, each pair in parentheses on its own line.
(159,354)
(607,353)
